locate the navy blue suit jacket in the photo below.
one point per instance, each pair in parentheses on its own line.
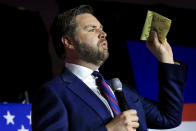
(67,104)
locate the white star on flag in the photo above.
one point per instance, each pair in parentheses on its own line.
(29,117)
(9,118)
(23,129)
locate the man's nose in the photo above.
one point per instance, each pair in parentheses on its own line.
(102,34)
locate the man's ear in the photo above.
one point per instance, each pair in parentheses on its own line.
(67,42)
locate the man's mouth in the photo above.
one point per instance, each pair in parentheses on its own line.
(104,44)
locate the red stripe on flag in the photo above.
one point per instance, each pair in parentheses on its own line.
(189,112)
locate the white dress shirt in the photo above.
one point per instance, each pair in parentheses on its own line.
(85,74)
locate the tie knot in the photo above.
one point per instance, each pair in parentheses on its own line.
(97,74)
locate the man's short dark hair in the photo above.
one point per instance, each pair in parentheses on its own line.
(64,24)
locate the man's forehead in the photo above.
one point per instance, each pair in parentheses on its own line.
(87,20)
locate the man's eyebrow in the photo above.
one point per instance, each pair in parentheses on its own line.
(93,26)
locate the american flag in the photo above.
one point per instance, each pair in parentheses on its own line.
(15,117)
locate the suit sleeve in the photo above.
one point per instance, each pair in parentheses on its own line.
(167,111)
(48,112)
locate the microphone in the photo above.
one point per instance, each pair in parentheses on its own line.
(117,87)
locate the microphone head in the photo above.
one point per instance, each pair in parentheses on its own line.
(116,84)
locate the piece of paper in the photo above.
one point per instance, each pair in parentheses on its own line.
(156,22)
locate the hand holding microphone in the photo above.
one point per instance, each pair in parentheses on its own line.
(128,119)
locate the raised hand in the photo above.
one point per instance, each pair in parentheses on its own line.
(162,52)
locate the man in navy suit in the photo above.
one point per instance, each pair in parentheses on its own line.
(73,102)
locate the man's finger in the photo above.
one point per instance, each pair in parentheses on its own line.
(135,118)
(135,124)
(155,37)
(130,112)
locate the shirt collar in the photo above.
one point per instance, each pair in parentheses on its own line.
(78,70)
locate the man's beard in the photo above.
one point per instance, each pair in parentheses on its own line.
(91,54)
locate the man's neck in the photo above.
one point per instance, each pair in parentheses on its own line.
(84,63)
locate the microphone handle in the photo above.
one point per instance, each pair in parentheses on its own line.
(121,100)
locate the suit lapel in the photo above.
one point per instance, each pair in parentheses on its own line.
(86,94)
